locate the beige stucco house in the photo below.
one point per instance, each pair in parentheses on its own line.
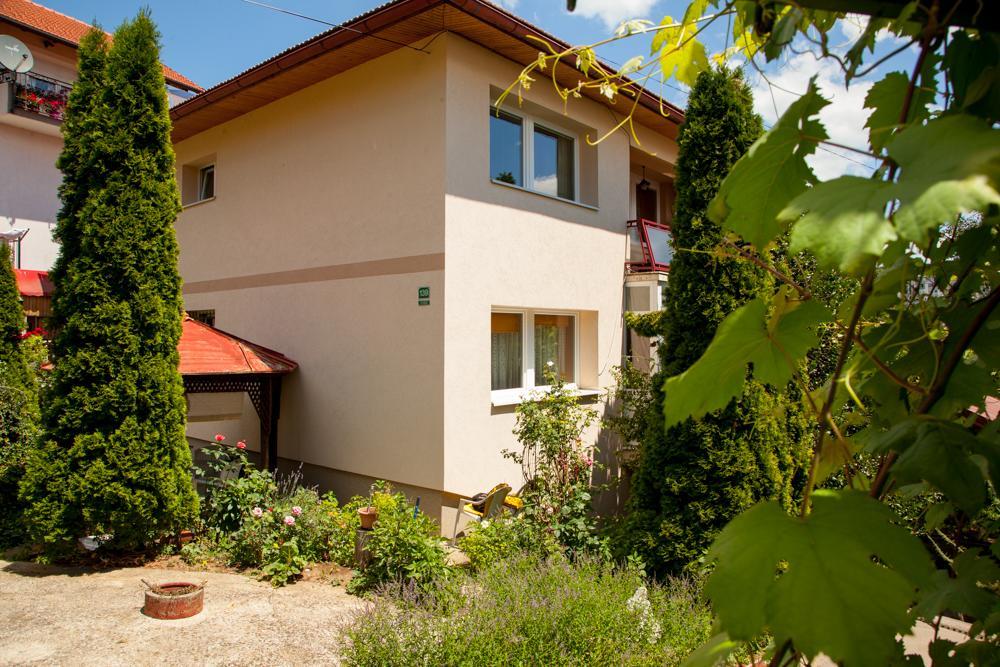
(356,203)
(32,102)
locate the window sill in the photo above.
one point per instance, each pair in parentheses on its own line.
(507,397)
(196,203)
(543,194)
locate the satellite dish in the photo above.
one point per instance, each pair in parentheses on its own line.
(14,55)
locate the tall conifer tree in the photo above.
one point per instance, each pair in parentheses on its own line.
(11,322)
(18,402)
(116,460)
(693,478)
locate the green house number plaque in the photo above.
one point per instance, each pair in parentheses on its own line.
(423,296)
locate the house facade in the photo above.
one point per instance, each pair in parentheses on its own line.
(358,203)
(32,103)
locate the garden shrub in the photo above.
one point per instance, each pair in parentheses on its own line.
(524,611)
(405,545)
(260,521)
(557,465)
(276,527)
(226,505)
(504,537)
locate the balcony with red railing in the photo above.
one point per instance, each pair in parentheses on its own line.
(36,96)
(650,246)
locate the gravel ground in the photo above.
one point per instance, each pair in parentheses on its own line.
(70,616)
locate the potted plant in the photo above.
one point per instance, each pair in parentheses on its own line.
(368,514)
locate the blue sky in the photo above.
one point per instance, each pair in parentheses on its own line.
(211,40)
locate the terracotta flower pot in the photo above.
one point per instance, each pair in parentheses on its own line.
(174,600)
(368,516)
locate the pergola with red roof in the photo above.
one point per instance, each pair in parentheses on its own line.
(213,361)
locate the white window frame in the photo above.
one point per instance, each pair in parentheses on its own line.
(518,394)
(201,182)
(528,123)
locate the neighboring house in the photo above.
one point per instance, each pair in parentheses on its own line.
(356,203)
(31,108)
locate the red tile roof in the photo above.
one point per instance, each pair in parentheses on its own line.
(31,282)
(205,350)
(33,16)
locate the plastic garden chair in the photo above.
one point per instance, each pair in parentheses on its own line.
(492,505)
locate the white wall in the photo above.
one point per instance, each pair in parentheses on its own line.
(328,217)
(512,248)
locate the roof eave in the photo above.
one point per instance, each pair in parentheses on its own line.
(367,25)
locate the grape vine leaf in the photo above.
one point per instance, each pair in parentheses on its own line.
(836,453)
(771,173)
(973,65)
(712,652)
(962,593)
(940,453)
(949,166)
(774,345)
(885,98)
(678,46)
(815,580)
(842,221)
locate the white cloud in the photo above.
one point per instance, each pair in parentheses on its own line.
(853,25)
(613,12)
(844,118)
(508,4)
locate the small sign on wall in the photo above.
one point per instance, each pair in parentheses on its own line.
(423,296)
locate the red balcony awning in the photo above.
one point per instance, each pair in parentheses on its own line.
(33,283)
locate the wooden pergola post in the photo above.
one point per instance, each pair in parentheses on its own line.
(264,390)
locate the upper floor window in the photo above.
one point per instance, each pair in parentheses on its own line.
(206,182)
(532,155)
(506,148)
(197,180)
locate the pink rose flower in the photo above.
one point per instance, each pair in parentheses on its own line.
(241,445)
(219,437)
(297,511)
(257,512)
(289,520)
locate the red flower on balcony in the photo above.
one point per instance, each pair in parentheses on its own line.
(37,331)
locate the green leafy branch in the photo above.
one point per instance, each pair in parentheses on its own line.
(916,339)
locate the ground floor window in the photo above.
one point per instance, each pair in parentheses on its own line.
(524,343)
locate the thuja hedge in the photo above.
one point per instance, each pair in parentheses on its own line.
(18,402)
(115,460)
(696,476)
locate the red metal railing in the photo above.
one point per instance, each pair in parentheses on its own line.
(655,242)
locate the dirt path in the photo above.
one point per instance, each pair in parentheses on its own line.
(71,616)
